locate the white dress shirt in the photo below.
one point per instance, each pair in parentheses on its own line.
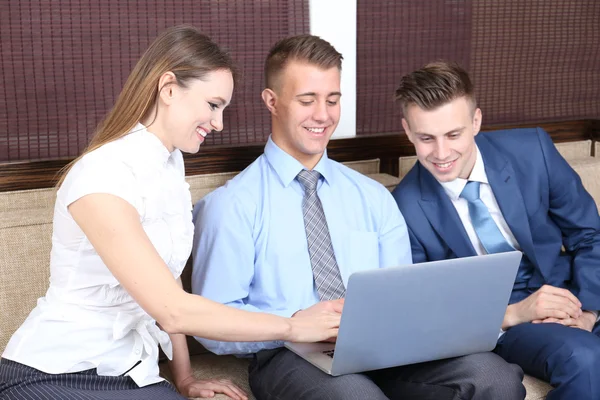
(454,188)
(87,319)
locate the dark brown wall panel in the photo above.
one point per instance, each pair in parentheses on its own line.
(531,61)
(63,64)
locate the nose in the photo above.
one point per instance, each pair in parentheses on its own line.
(442,149)
(320,112)
(217,123)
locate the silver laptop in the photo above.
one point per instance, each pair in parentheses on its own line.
(416,313)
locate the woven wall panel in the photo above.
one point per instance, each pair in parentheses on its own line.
(64,62)
(536,60)
(531,61)
(395,37)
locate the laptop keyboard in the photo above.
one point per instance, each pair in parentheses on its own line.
(329,353)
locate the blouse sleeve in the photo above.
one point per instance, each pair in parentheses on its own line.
(100,175)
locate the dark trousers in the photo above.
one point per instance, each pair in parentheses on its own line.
(281,375)
(20,382)
(568,358)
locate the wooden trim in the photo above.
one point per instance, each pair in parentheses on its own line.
(595,132)
(23,175)
(387,147)
(560,131)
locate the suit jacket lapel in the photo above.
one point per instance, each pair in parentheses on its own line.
(508,194)
(442,215)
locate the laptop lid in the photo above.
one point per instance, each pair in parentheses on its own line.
(422,312)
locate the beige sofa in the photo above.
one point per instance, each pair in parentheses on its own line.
(25,241)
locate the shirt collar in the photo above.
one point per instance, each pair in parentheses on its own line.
(454,188)
(287,167)
(152,144)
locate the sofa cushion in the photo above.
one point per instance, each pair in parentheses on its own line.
(536,389)
(387,180)
(577,149)
(588,169)
(27,199)
(25,242)
(365,167)
(201,185)
(405,165)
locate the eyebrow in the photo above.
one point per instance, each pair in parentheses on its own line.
(455,130)
(314,94)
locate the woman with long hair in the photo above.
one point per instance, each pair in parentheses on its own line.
(121,237)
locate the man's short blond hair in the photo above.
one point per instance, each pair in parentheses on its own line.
(302,48)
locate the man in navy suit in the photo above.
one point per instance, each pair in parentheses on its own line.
(474,193)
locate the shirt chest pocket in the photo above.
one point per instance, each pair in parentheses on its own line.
(361,252)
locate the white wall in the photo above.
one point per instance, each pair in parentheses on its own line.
(335,21)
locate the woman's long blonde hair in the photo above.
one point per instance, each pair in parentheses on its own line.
(182,50)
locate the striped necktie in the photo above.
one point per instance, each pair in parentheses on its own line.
(326,273)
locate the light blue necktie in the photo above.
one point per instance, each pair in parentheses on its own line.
(487,231)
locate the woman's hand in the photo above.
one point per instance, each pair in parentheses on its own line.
(184,379)
(317,323)
(192,387)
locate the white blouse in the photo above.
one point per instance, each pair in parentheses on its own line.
(87,319)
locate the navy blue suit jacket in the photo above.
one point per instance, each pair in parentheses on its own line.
(542,200)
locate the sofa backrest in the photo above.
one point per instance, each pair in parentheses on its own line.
(26,240)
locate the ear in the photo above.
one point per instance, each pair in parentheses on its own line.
(407,130)
(476,121)
(166,85)
(270,99)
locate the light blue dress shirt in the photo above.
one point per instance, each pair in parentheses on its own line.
(250,249)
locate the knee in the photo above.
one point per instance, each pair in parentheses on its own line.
(581,358)
(351,386)
(575,371)
(497,379)
(508,383)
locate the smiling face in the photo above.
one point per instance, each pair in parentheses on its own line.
(444,138)
(305,106)
(186,115)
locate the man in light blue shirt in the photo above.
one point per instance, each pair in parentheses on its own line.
(266,242)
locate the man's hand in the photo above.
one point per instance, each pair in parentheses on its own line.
(547,302)
(586,321)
